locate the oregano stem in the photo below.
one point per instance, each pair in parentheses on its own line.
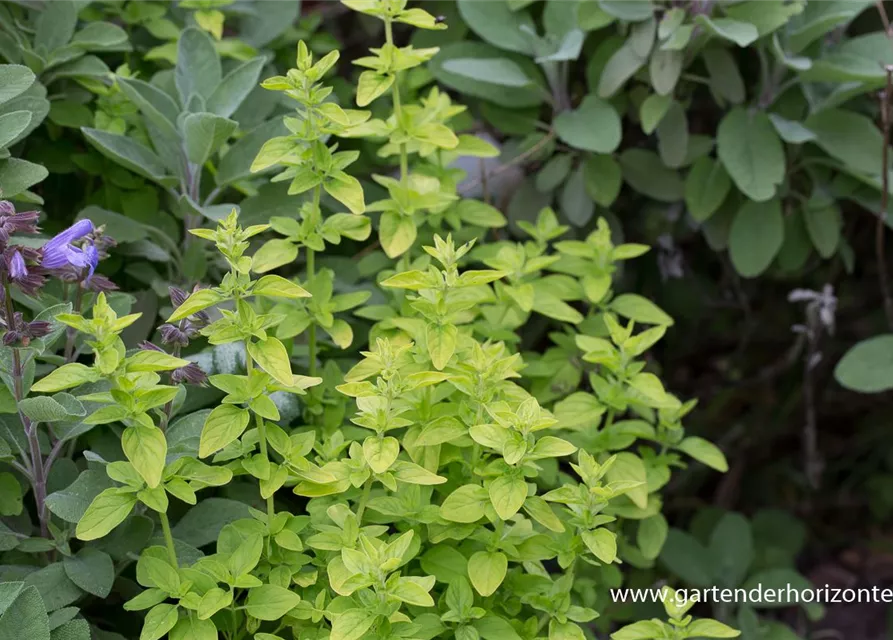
(364,498)
(398,107)
(261,438)
(311,274)
(168,538)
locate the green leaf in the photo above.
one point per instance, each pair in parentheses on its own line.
(492,627)
(767,17)
(539,510)
(270,602)
(629,468)
(14,80)
(204,134)
(635,307)
(496,23)
(824,224)
(741,33)
(602,543)
(652,111)
(445,563)
(732,549)
(591,17)
(71,503)
(628,10)
(272,356)
(756,236)
(120,227)
(158,107)
(868,365)
(396,233)
(128,153)
(194,629)
(55,25)
(646,174)
(380,453)
(651,535)
(593,126)
(24,615)
(62,406)
(725,79)
(198,66)
(706,187)
(18,175)
(498,71)
(554,172)
(351,624)
(160,619)
(97,36)
(236,163)
(665,69)
(565,631)
(107,511)
(672,136)
(704,451)
(11,125)
(510,97)
(710,629)
(687,558)
(223,426)
(507,494)
(487,570)
(10,495)
(92,570)
(849,137)
(441,339)
(576,204)
(783,579)
(642,630)
(603,179)
(790,130)
(466,504)
(146,448)
(751,152)
(235,87)
(622,66)
(202,523)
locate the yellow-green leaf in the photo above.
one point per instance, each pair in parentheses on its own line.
(146,448)
(65,377)
(272,357)
(487,571)
(223,425)
(107,511)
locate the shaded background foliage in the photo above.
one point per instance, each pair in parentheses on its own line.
(741,140)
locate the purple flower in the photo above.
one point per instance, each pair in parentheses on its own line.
(17,267)
(12,222)
(20,332)
(191,373)
(59,252)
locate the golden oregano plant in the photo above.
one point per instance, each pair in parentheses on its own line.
(445,485)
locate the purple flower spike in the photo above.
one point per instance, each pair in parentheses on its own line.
(58,252)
